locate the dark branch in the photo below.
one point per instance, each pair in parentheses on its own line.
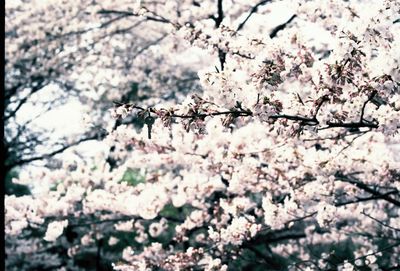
(251,12)
(41,82)
(156,18)
(98,253)
(280,27)
(51,154)
(320,102)
(148,46)
(380,222)
(277,236)
(365,104)
(351,124)
(366,199)
(83,31)
(376,252)
(203,115)
(120,219)
(366,188)
(222,58)
(303,120)
(269,260)
(218,20)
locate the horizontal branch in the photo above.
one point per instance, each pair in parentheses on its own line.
(53,153)
(366,188)
(159,19)
(376,252)
(275,236)
(124,218)
(304,120)
(359,124)
(376,197)
(243,113)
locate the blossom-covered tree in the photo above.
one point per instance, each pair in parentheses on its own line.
(282,157)
(77,52)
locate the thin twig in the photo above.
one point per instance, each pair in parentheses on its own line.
(380,222)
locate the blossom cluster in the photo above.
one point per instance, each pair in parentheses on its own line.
(283,158)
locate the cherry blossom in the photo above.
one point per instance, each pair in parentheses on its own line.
(239,148)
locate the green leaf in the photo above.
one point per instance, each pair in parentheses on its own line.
(133,177)
(169,210)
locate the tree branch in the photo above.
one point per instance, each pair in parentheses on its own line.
(280,27)
(156,18)
(371,96)
(203,115)
(251,12)
(41,83)
(365,199)
(366,188)
(269,260)
(218,20)
(48,155)
(303,120)
(380,222)
(309,121)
